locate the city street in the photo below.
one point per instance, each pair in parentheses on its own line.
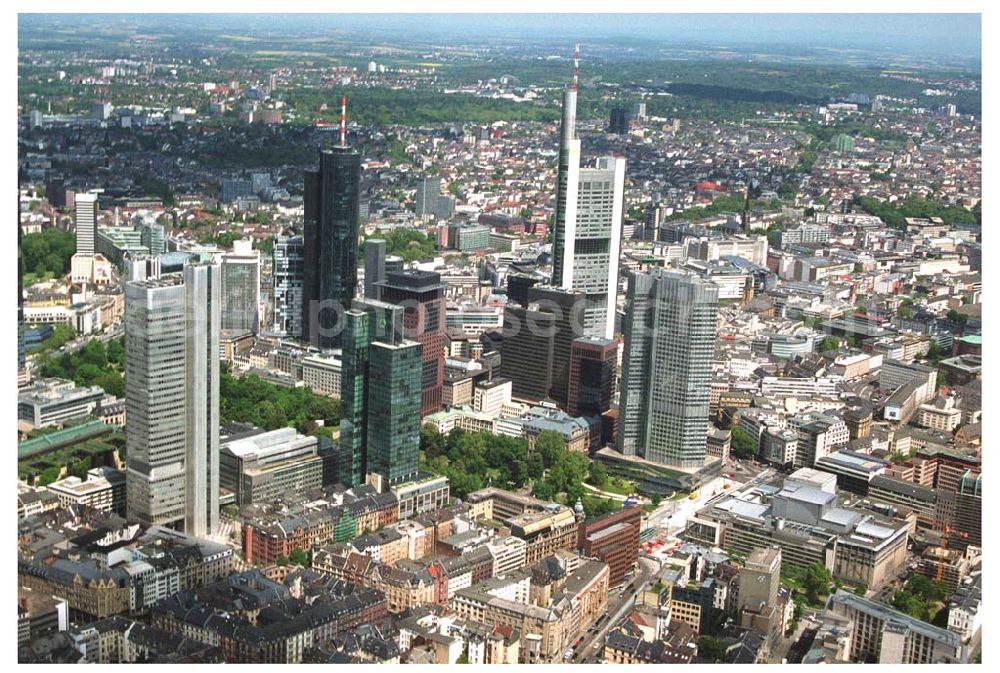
(591,649)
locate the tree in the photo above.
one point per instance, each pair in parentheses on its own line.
(535,466)
(282,560)
(816,582)
(711,648)
(597,474)
(829,344)
(861,589)
(743,444)
(299,557)
(549,444)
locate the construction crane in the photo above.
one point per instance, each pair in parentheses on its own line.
(944,550)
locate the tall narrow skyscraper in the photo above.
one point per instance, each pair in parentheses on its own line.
(374,266)
(330,241)
(380,396)
(286,285)
(82,263)
(172,399)
(670,332)
(241,288)
(588,230)
(425,200)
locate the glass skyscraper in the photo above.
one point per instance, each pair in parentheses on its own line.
(670,331)
(330,244)
(380,395)
(286,279)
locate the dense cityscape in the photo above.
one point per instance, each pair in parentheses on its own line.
(348,345)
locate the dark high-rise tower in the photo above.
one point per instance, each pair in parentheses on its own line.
(374,266)
(421,294)
(593,365)
(330,241)
(618,124)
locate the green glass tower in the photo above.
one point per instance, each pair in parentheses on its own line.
(380,395)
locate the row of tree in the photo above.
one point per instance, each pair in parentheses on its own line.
(96,364)
(474,460)
(47,252)
(251,399)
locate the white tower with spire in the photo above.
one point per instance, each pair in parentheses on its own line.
(586,240)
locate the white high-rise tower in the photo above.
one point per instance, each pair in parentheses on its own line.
(588,231)
(172,399)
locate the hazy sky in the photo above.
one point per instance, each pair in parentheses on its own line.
(914,34)
(958,34)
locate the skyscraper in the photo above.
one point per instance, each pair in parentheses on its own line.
(374,266)
(618,124)
(593,366)
(670,332)
(82,263)
(241,288)
(86,223)
(588,229)
(172,399)
(330,240)
(380,395)
(286,280)
(422,296)
(537,338)
(153,237)
(425,201)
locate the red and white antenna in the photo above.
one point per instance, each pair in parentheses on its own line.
(343,120)
(576,66)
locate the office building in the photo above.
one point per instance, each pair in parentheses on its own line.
(426,198)
(374,266)
(670,332)
(380,396)
(421,294)
(760,579)
(618,123)
(967,526)
(330,243)
(241,288)
(260,466)
(882,635)
(287,283)
(153,236)
(82,263)
(586,242)
(322,374)
(536,343)
(103,489)
(49,402)
(613,538)
(593,368)
(468,236)
(86,223)
(172,399)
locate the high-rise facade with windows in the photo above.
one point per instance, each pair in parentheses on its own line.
(241,288)
(421,294)
(588,228)
(380,395)
(172,399)
(670,332)
(374,266)
(82,263)
(330,244)
(286,279)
